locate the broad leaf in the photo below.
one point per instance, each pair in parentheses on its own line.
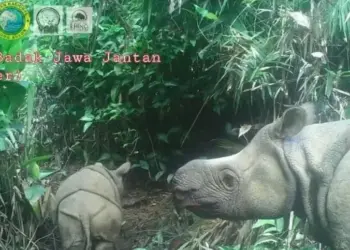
(34,171)
(87,126)
(13,95)
(34,193)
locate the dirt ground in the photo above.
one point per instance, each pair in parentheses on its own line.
(151,223)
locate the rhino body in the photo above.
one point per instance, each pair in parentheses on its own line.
(87,208)
(291,164)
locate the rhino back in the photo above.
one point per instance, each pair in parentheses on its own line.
(105,218)
(83,202)
(89,180)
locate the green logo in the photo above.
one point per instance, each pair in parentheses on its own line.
(14,20)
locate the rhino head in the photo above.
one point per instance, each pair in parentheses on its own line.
(254,183)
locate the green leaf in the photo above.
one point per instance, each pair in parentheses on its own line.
(87,126)
(114,94)
(36,159)
(144,165)
(280,224)
(25,84)
(5,101)
(12,96)
(211,16)
(262,222)
(169,178)
(87,118)
(11,137)
(135,88)
(2,144)
(117,70)
(163,138)
(296,222)
(34,171)
(104,156)
(91,71)
(162,166)
(46,173)
(159,175)
(99,84)
(25,44)
(329,85)
(201,11)
(34,193)
(169,84)
(205,13)
(5,45)
(14,49)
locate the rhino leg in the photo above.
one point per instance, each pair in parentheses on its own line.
(338,206)
(84,226)
(105,246)
(85,222)
(331,160)
(321,203)
(106,224)
(70,231)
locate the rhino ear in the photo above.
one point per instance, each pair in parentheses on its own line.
(123,169)
(292,122)
(312,110)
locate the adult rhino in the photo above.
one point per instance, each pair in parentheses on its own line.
(290,165)
(87,208)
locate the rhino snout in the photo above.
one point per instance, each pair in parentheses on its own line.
(183,191)
(181,194)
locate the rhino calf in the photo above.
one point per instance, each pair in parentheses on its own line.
(87,208)
(291,164)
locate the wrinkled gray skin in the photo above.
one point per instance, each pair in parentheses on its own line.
(87,208)
(291,164)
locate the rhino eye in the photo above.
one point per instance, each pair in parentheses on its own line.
(228,180)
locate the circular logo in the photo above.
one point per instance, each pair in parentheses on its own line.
(48,20)
(14,20)
(79,15)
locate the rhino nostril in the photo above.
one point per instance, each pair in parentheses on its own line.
(180,195)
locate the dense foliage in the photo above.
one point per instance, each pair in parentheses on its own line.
(223,64)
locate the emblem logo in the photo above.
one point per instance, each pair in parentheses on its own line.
(48,20)
(79,20)
(14,20)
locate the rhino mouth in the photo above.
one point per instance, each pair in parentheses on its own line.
(206,210)
(201,206)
